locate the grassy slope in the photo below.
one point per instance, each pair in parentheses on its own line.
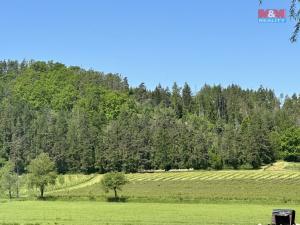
(263,186)
(77,213)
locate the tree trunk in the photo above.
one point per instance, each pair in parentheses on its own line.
(17,189)
(115,190)
(42,191)
(9,193)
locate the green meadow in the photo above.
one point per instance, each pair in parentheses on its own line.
(92,213)
(191,197)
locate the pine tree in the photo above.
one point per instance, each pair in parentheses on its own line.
(187,98)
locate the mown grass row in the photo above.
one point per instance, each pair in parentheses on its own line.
(62,182)
(70,180)
(216,175)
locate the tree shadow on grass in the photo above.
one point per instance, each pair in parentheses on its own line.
(47,198)
(117,199)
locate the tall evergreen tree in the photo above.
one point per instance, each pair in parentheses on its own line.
(176,100)
(187,98)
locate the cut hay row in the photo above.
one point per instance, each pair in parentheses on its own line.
(237,176)
(260,176)
(226,176)
(234,175)
(273,176)
(145,177)
(211,177)
(70,180)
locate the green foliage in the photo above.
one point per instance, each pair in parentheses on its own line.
(187,99)
(8,178)
(290,144)
(88,121)
(41,173)
(113,181)
(216,161)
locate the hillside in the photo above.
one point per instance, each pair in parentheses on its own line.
(88,122)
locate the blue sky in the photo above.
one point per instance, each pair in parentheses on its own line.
(157,41)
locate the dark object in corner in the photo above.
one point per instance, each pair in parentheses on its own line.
(283,217)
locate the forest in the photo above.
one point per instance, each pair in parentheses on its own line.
(88,121)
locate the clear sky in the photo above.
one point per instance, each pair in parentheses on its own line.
(157,41)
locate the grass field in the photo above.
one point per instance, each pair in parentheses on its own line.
(243,197)
(199,186)
(90,213)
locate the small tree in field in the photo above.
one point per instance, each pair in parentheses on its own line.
(113,181)
(8,178)
(41,173)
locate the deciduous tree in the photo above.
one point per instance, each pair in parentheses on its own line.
(113,181)
(41,173)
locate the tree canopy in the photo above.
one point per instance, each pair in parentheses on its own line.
(87,121)
(8,178)
(113,181)
(41,173)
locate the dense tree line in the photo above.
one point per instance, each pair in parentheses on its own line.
(88,121)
